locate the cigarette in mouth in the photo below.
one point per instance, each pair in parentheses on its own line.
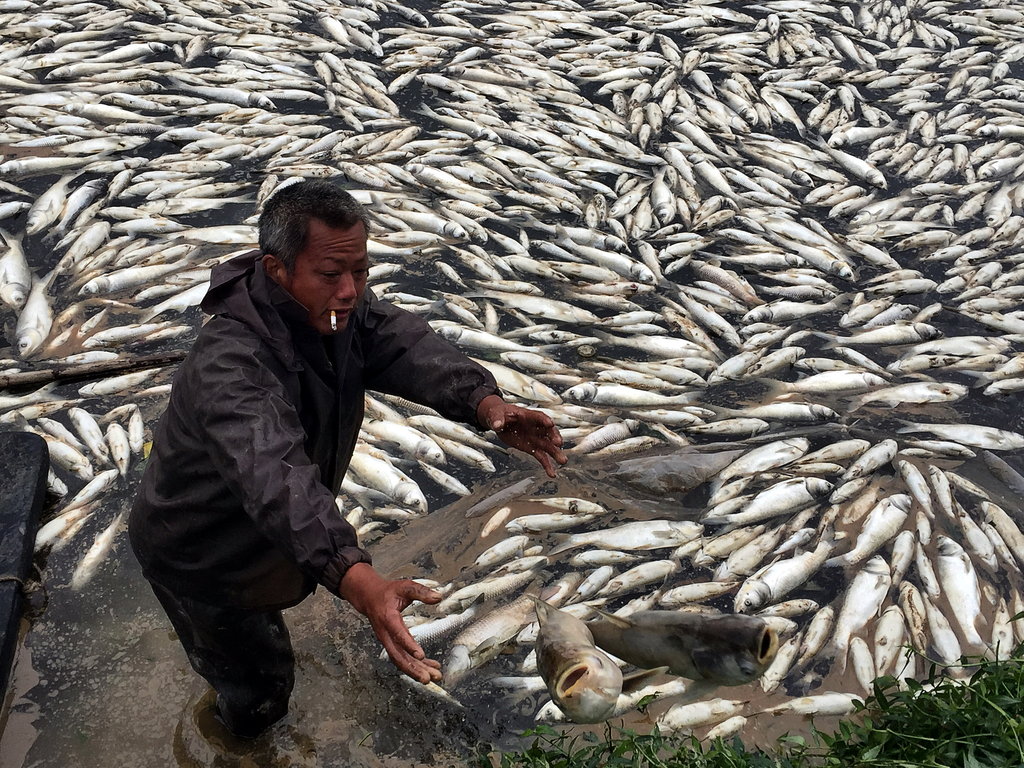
(334,321)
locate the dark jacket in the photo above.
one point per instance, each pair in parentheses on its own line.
(237,504)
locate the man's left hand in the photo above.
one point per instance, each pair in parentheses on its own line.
(532,432)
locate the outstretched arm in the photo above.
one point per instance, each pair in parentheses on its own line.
(404,357)
(382,601)
(532,432)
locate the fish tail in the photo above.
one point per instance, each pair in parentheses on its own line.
(776,389)
(565,542)
(982,378)
(831,338)
(840,659)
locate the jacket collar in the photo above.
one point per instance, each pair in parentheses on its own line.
(240,288)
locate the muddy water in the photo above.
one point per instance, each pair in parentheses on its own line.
(101,675)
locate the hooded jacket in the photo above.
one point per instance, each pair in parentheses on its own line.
(237,503)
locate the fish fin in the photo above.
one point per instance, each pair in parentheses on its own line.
(702,657)
(437,691)
(543,608)
(636,680)
(618,621)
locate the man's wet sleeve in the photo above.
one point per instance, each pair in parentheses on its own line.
(405,357)
(256,442)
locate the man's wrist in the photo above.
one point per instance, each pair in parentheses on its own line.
(485,406)
(357,582)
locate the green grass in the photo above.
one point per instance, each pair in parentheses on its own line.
(936,723)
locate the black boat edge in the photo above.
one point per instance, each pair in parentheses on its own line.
(24,462)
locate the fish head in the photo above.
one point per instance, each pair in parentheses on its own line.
(581,393)
(430,453)
(952,390)
(800,177)
(457,665)
(822,412)
(641,273)
(947,546)
(733,649)
(29,342)
(757,315)
(14,295)
(588,688)
(752,596)
(901,501)
(95,286)
(410,495)
(449,332)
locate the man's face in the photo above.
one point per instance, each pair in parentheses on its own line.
(329,273)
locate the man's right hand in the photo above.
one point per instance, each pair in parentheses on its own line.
(382,601)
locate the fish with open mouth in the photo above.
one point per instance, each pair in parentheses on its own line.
(582,680)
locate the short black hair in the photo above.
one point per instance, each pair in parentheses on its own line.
(284,222)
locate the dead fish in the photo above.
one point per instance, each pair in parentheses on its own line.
(582,680)
(728,649)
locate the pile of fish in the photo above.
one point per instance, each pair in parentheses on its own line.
(790,226)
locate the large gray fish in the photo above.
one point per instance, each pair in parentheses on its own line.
(723,648)
(582,681)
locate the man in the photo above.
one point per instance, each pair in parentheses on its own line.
(236,517)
